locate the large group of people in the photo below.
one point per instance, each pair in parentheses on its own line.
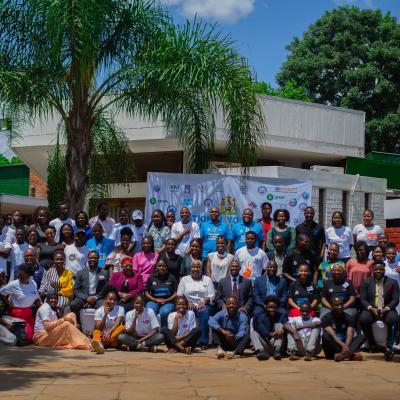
(259,288)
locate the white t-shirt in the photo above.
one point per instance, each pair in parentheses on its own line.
(107,224)
(178,228)
(75,258)
(368,234)
(144,324)
(116,233)
(298,322)
(116,312)
(343,237)
(185,324)
(252,261)
(219,266)
(57,223)
(196,290)
(17,256)
(45,313)
(138,234)
(3,260)
(22,296)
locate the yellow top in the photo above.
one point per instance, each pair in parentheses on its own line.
(66,284)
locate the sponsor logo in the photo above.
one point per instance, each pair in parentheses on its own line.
(187,189)
(262,189)
(270,196)
(306,195)
(162,201)
(156,188)
(293,203)
(208,202)
(303,206)
(174,188)
(283,189)
(171,208)
(187,202)
(227,205)
(153,201)
(252,205)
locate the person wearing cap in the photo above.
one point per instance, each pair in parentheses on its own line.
(139,230)
(76,253)
(100,243)
(102,218)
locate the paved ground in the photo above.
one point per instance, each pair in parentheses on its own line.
(32,373)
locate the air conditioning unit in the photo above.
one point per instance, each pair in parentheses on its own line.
(327,168)
(216,166)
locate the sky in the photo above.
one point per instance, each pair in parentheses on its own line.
(262,28)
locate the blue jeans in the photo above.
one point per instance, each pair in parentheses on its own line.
(203,324)
(163,310)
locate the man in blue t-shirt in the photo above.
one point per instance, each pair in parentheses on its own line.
(100,243)
(209,231)
(237,236)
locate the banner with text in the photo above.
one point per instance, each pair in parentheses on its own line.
(231,194)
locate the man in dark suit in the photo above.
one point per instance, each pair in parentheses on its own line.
(270,285)
(87,286)
(379,297)
(237,286)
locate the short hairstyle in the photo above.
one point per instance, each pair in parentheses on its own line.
(370,211)
(61,203)
(266,203)
(110,289)
(101,204)
(126,231)
(376,263)
(181,297)
(272,299)
(341,215)
(361,244)
(281,210)
(251,233)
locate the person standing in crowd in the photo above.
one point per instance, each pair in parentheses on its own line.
(341,234)
(161,290)
(17,251)
(108,321)
(182,333)
(314,231)
(200,293)
(218,261)
(237,235)
(170,219)
(270,284)
(30,258)
(360,268)
(367,232)
(139,230)
(102,218)
(253,260)
(174,261)
(54,329)
(299,255)
(230,330)
(113,262)
(303,335)
(193,255)
(144,262)
(235,285)
(379,298)
(268,335)
(76,253)
(141,328)
(324,271)
(66,235)
(20,295)
(338,286)
(123,218)
(266,220)
(41,221)
(63,218)
(278,254)
(82,222)
(281,218)
(46,250)
(209,231)
(158,230)
(184,231)
(17,222)
(4,251)
(339,339)
(100,243)
(33,239)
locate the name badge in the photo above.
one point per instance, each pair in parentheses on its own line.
(345,285)
(310,289)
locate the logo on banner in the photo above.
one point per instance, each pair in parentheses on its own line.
(171,209)
(306,195)
(187,202)
(208,202)
(200,188)
(252,205)
(293,203)
(156,188)
(262,189)
(174,188)
(270,196)
(227,205)
(187,189)
(286,189)
(303,206)
(153,201)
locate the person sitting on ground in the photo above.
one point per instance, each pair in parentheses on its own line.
(379,298)
(267,334)
(279,253)
(76,253)
(53,329)
(113,262)
(302,290)
(108,322)
(200,293)
(161,290)
(182,334)
(270,285)
(230,330)
(324,271)
(303,335)
(141,328)
(174,261)
(218,261)
(237,286)
(144,262)
(193,254)
(339,340)
(100,243)
(281,218)
(338,286)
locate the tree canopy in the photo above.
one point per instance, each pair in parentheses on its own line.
(350,58)
(289,91)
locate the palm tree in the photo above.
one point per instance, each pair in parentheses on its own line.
(86,60)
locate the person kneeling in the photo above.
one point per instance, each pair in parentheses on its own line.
(303,334)
(338,340)
(230,330)
(108,322)
(182,334)
(141,328)
(52,330)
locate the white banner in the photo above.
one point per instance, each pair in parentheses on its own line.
(231,194)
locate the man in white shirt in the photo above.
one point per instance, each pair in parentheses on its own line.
(63,210)
(76,253)
(17,252)
(253,260)
(123,223)
(184,231)
(139,230)
(102,218)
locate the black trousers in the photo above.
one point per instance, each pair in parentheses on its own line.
(367,319)
(331,347)
(154,340)
(237,347)
(190,340)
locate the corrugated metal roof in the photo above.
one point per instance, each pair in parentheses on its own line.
(384,158)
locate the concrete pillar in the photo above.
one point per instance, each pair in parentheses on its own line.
(356,208)
(377,201)
(333,202)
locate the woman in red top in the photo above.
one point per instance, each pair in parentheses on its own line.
(266,220)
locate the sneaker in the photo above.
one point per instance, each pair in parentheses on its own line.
(277,356)
(356,357)
(340,357)
(294,356)
(97,347)
(229,355)
(308,357)
(388,355)
(220,353)
(263,356)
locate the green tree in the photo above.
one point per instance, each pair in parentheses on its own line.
(350,58)
(290,91)
(86,60)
